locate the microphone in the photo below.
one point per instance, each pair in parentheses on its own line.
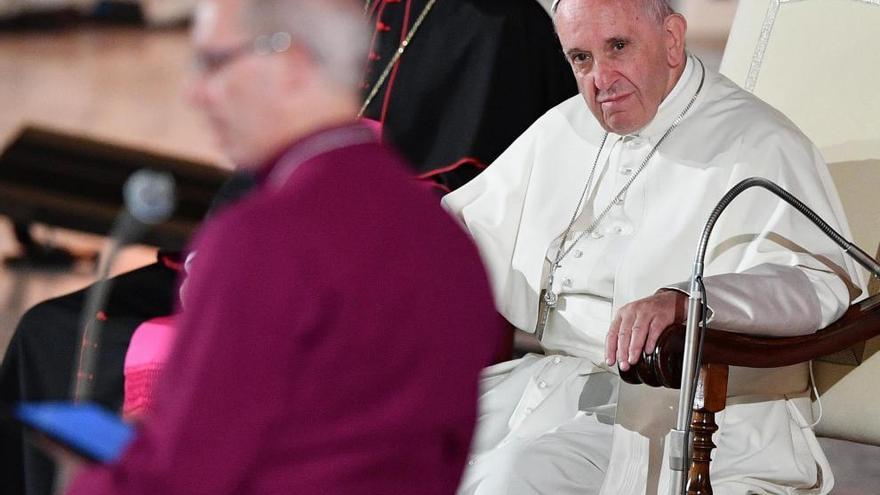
(149,198)
(680,436)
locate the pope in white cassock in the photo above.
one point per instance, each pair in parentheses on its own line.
(588,225)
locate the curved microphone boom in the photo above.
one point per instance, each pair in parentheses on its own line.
(693,335)
(149,200)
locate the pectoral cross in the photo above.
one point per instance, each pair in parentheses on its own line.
(546,304)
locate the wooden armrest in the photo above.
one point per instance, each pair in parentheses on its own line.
(662,368)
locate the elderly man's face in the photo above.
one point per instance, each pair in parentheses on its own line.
(624,61)
(235,88)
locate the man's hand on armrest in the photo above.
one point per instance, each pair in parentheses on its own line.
(638,325)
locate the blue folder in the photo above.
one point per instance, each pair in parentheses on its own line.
(85,428)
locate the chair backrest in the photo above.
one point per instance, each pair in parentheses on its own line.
(816,61)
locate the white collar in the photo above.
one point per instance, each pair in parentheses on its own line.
(675,102)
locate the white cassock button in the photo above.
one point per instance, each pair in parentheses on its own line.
(542,384)
(529,410)
(623,228)
(566,282)
(596,234)
(557,360)
(471,462)
(626,170)
(634,142)
(577,253)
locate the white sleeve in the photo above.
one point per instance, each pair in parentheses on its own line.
(789,277)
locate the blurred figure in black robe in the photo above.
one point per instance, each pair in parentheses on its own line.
(472,78)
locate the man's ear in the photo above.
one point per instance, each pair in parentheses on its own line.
(675,28)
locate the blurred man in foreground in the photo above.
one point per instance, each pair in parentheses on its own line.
(323,309)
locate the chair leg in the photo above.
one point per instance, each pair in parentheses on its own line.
(711,398)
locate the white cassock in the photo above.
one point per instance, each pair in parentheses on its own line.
(546,421)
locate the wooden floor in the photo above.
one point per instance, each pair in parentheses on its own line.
(113,83)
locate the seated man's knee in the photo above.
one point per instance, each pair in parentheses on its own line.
(562,462)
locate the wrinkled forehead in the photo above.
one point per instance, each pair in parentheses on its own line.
(570,7)
(578,21)
(218,23)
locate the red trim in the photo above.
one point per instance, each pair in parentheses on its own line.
(375,6)
(449,168)
(171,264)
(432,185)
(378,8)
(443,188)
(404,31)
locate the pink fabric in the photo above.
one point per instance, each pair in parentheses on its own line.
(373,125)
(146,358)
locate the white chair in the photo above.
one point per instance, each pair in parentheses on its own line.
(817,62)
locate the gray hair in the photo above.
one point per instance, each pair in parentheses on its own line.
(658,10)
(333,31)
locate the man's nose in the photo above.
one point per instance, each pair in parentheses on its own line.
(604,75)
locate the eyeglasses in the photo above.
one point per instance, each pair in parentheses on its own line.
(212,61)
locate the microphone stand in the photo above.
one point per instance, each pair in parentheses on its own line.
(679,457)
(149,200)
(126,228)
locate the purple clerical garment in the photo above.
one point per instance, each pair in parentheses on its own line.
(336,324)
